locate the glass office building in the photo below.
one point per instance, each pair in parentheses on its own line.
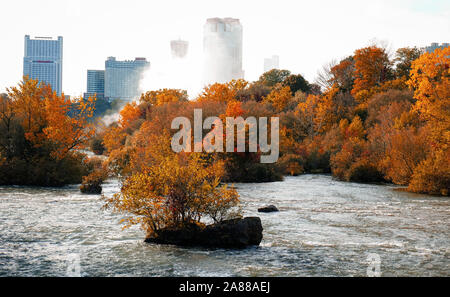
(96,81)
(122,78)
(43,60)
(95,84)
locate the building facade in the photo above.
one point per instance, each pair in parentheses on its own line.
(122,78)
(431,48)
(179,48)
(96,81)
(95,84)
(43,57)
(271,63)
(222,47)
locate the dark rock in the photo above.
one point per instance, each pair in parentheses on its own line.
(269,208)
(236,233)
(91,189)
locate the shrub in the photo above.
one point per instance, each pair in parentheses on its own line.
(364,172)
(174,191)
(432,175)
(92,183)
(97,146)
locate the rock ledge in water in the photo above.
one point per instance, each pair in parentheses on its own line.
(269,208)
(235,233)
(90,189)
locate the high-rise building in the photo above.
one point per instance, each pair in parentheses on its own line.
(95,83)
(43,57)
(179,48)
(122,78)
(222,46)
(431,48)
(271,63)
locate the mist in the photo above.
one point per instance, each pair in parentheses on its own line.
(173,72)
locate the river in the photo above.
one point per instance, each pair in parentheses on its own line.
(324,228)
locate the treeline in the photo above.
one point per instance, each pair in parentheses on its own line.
(372,119)
(368,118)
(39,141)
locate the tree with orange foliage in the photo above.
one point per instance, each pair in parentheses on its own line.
(129,114)
(372,67)
(40,134)
(343,74)
(315,113)
(430,80)
(163,96)
(222,92)
(45,117)
(174,191)
(279,97)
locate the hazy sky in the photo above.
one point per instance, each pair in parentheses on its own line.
(305,34)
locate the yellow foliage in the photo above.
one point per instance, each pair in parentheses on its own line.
(174,190)
(430,79)
(163,96)
(279,97)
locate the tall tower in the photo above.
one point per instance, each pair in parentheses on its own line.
(42,60)
(122,78)
(271,63)
(222,47)
(179,48)
(95,84)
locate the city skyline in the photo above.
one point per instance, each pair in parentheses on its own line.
(300,33)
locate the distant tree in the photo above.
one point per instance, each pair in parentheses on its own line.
(222,92)
(255,91)
(324,76)
(297,82)
(342,74)
(273,77)
(162,96)
(403,59)
(315,89)
(372,67)
(279,97)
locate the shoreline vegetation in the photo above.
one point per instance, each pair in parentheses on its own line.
(368,118)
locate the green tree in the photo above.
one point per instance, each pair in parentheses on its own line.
(273,77)
(296,82)
(403,59)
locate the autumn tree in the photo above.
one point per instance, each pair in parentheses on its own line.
(279,97)
(296,82)
(173,191)
(222,92)
(42,131)
(162,96)
(403,60)
(372,67)
(342,74)
(430,80)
